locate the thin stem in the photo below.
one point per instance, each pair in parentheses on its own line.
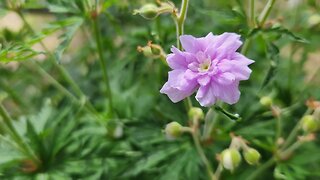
(245,47)
(210,122)
(294,132)
(218,171)
(292,148)
(195,137)
(278,128)
(102,63)
(63,72)
(179,20)
(34,66)
(15,135)
(252,13)
(262,168)
(261,20)
(265,13)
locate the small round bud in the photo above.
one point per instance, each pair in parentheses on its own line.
(148,11)
(173,130)
(195,113)
(266,101)
(252,156)
(309,124)
(114,129)
(230,159)
(145,50)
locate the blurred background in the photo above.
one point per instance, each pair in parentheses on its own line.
(58,135)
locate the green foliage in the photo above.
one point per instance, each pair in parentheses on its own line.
(67,133)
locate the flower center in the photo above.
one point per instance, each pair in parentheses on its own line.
(205,66)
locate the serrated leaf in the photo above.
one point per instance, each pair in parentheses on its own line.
(16,52)
(67,36)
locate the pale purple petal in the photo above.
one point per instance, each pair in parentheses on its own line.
(205,96)
(225,78)
(177,79)
(227,45)
(209,63)
(189,43)
(227,93)
(240,71)
(174,94)
(190,75)
(204,80)
(176,60)
(242,59)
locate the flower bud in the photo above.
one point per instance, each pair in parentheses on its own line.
(173,130)
(195,113)
(252,156)
(148,11)
(309,124)
(114,129)
(145,50)
(230,159)
(266,101)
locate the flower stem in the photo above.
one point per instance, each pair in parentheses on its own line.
(294,132)
(265,13)
(261,20)
(89,107)
(252,13)
(195,137)
(97,33)
(15,135)
(262,168)
(179,20)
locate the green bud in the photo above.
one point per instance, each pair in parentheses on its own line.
(230,159)
(173,130)
(252,156)
(195,113)
(148,11)
(266,101)
(309,124)
(114,129)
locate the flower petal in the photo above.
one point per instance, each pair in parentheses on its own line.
(205,96)
(176,60)
(226,45)
(204,80)
(226,93)
(225,78)
(238,69)
(190,75)
(174,94)
(178,87)
(242,59)
(189,43)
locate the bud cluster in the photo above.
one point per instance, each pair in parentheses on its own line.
(231,158)
(152,51)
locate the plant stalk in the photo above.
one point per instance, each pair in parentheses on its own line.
(97,33)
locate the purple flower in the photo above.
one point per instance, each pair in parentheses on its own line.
(210,65)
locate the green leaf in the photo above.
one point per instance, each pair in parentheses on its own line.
(16,52)
(67,36)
